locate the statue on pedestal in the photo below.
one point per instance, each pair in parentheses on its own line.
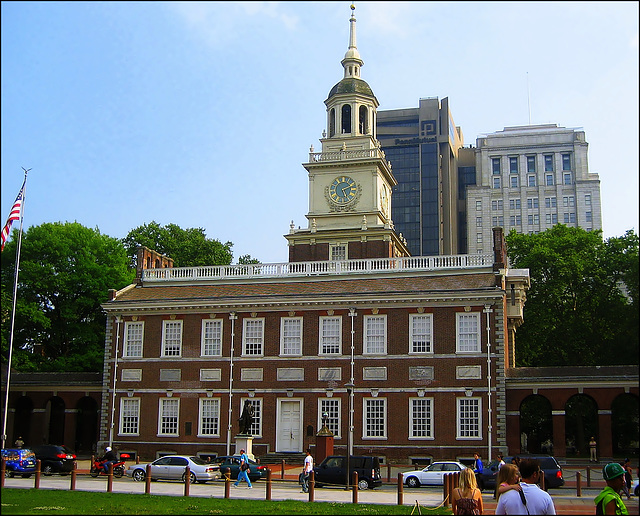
(246,418)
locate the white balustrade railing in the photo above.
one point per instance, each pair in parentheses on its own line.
(291,269)
(346,154)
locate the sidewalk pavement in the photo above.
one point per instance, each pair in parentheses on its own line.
(565,499)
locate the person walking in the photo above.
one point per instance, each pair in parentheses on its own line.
(467,498)
(306,471)
(477,463)
(609,501)
(243,474)
(628,477)
(532,499)
(19,442)
(592,450)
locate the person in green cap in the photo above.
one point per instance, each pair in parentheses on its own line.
(609,501)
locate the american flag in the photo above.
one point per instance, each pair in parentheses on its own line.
(16,210)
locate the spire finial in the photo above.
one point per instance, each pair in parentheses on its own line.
(352,61)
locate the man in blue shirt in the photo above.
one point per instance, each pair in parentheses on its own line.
(244,470)
(477,463)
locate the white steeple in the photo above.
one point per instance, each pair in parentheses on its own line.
(352,61)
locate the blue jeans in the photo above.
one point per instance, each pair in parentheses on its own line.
(243,475)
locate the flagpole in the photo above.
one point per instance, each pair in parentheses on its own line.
(13,310)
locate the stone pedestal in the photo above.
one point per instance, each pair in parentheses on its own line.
(245,442)
(324,445)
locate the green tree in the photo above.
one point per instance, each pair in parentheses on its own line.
(66,271)
(582,307)
(187,247)
(247,259)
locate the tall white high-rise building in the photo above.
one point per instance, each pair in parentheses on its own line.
(530,178)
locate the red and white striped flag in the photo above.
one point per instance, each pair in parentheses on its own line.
(15,214)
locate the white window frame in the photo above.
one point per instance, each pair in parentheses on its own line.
(427,335)
(211,337)
(421,426)
(291,336)
(372,335)
(256,339)
(256,425)
(468,418)
(169,345)
(129,416)
(327,337)
(374,426)
(338,252)
(468,334)
(168,411)
(133,347)
(212,415)
(333,407)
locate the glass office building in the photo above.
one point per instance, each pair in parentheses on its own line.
(422,145)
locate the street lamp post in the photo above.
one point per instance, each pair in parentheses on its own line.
(349,387)
(232,318)
(487,310)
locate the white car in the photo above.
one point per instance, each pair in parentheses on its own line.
(172,467)
(432,475)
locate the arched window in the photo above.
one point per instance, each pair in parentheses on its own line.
(346,118)
(364,120)
(536,426)
(580,423)
(624,424)
(332,122)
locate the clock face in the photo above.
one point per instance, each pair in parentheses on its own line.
(343,190)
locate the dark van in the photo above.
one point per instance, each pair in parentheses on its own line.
(333,471)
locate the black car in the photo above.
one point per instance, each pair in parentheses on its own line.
(256,471)
(54,458)
(333,470)
(552,472)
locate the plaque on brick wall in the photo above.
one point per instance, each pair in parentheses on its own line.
(131,375)
(170,375)
(374,373)
(421,373)
(328,374)
(210,375)
(290,374)
(466,372)
(251,374)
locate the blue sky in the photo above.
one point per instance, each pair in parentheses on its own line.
(202,113)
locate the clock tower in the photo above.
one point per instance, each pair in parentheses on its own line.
(350,180)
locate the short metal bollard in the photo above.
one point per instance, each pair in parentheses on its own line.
(268,493)
(282,471)
(400,489)
(74,474)
(354,492)
(445,489)
(578,486)
(110,479)
(36,484)
(312,486)
(187,480)
(227,483)
(147,480)
(588,476)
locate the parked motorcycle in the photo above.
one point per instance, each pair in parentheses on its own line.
(97,467)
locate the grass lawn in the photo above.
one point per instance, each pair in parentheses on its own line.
(49,501)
